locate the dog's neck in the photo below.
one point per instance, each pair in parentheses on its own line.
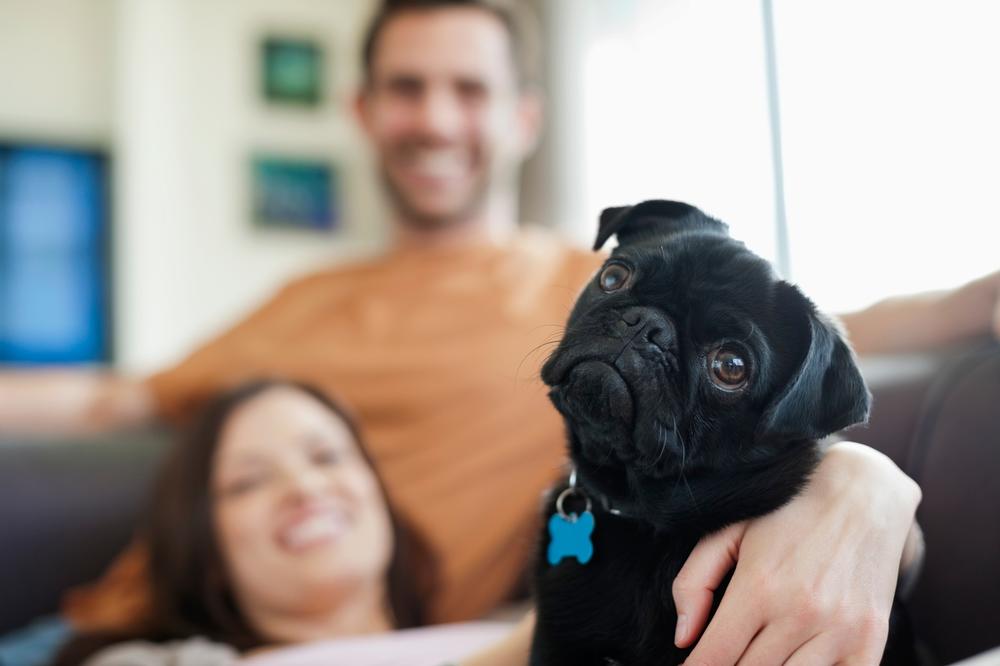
(700,504)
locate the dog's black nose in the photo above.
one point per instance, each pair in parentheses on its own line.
(653,325)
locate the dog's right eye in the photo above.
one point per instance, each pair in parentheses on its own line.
(613,277)
(727,368)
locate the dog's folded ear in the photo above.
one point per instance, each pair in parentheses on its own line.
(826,392)
(655,217)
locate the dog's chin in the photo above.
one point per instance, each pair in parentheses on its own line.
(594,398)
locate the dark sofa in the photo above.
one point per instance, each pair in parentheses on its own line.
(67,508)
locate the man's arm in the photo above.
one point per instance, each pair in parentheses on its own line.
(925,321)
(813,582)
(68,402)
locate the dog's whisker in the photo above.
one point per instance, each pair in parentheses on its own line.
(532,351)
(606,459)
(663,441)
(681,441)
(683,474)
(561,327)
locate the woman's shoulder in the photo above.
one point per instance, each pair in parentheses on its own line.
(191,652)
(428,646)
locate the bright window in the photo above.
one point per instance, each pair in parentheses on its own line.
(889,123)
(891,131)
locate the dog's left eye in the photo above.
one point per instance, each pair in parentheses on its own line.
(613,277)
(727,368)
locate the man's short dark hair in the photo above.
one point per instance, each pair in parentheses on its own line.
(519,26)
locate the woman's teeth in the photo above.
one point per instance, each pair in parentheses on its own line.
(320,528)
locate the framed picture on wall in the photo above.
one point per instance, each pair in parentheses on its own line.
(292,71)
(295,193)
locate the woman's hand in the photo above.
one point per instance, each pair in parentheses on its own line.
(814,581)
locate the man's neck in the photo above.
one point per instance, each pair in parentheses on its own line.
(493,226)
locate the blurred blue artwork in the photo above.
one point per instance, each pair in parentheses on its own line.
(54,291)
(294,193)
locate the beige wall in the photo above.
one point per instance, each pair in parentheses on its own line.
(186,136)
(169,87)
(56,69)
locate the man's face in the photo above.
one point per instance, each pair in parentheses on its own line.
(444,113)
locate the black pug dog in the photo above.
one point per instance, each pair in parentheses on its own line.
(694,385)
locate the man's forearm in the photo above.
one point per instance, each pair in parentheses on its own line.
(924,321)
(60,402)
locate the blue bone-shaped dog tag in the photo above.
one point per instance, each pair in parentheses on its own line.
(570,538)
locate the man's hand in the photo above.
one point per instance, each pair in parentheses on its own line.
(71,402)
(814,581)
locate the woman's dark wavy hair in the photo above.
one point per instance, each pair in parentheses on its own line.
(191,595)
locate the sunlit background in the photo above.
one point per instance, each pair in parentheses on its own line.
(856,143)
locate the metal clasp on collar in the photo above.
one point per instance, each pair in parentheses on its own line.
(573,489)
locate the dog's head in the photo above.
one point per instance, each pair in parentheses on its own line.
(686,353)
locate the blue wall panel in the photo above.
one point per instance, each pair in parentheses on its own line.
(53,259)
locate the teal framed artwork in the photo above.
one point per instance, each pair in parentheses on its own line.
(293,193)
(292,71)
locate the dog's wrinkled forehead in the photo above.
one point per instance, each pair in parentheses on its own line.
(686,257)
(653,220)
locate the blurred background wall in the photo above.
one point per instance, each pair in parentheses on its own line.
(884,114)
(170,90)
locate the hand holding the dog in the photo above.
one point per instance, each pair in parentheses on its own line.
(813,581)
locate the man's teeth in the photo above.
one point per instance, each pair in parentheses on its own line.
(440,165)
(317,528)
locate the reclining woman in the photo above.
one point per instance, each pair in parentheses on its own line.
(269,526)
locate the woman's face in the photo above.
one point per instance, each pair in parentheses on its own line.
(299,514)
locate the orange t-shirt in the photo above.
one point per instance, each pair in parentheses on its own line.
(438,353)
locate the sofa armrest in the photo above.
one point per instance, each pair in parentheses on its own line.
(66,509)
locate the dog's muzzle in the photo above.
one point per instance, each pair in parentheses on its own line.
(627,340)
(610,376)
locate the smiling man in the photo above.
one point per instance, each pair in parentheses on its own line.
(450,118)
(436,346)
